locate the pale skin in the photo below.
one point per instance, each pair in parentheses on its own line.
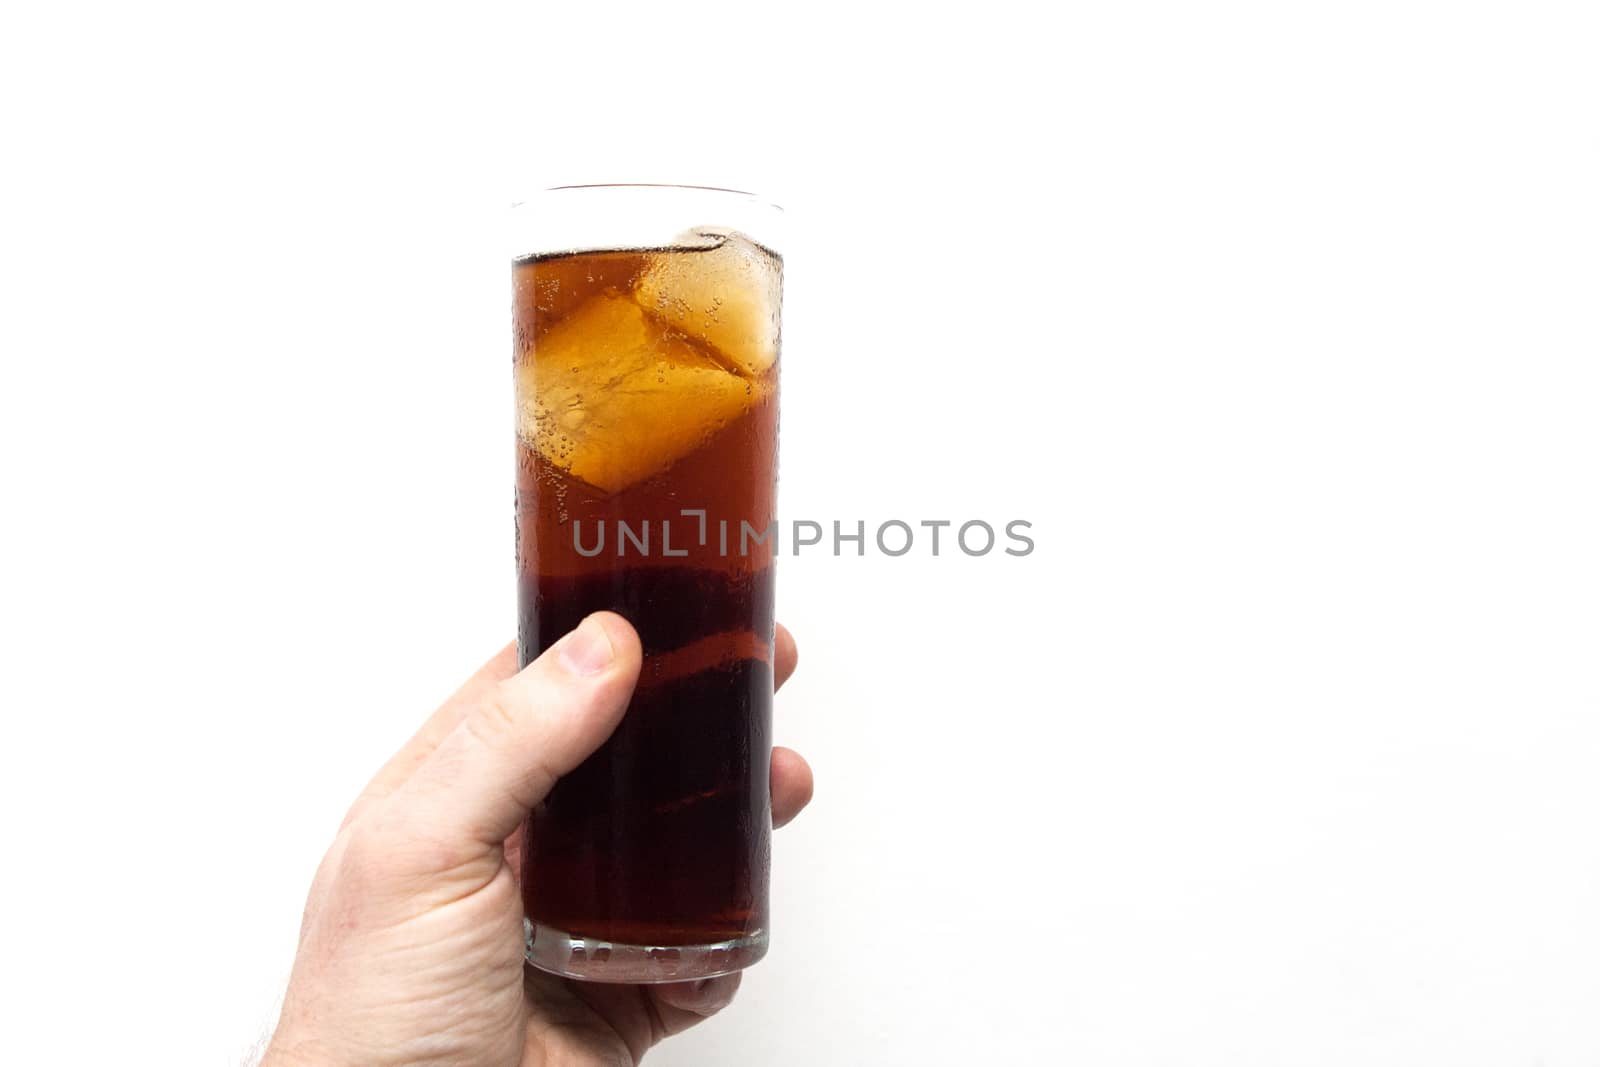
(411,947)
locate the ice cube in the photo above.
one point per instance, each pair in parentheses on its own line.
(613,396)
(727,296)
(545,290)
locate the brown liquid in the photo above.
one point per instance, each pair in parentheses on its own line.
(640,398)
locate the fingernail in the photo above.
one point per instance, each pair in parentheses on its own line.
(586,650)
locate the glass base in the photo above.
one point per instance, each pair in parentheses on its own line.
(589,960)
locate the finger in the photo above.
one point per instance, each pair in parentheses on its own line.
(689,1002)
(512,745)
(791,785)
(410,756)
(657,1011)
(786,655)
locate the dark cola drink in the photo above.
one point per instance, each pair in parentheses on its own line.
(647,396)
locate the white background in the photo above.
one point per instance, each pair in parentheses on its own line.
(1277,320)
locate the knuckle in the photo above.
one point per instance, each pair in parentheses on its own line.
(722,992)
(499,714)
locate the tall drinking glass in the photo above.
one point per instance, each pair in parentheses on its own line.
(646,368)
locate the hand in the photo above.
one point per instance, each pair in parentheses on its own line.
(411,947)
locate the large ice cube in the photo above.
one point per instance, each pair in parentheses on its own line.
(727,295)
(613,396)
(545,290)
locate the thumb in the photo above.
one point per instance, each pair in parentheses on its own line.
(508,750)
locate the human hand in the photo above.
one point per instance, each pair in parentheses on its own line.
(411,949)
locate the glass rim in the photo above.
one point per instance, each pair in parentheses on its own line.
(753,197)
